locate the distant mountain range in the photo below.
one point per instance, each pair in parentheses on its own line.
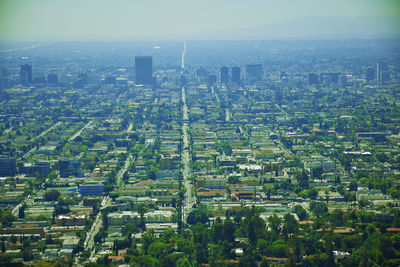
(313,27)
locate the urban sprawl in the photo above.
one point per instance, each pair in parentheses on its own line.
(200,154)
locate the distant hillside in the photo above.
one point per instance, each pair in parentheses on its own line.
(316,27)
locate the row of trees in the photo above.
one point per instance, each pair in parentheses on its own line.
(283,237)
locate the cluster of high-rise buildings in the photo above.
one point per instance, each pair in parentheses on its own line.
(143,74)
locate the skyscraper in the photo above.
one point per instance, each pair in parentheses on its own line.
(370,74)
(25,74)
(4,80)
(254,72)
(236,74)
(212,79)
(224,74)
(382,72)
(110,80)
(52,78)
(7,166)
(144,69)
(81,81)
(312,78)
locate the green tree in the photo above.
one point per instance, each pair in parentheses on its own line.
(290,225)
(186,245)
(229,230)
(142,210)
(151,174)
(128,229)
(275,223)
(21,211)
(52,195)
(253,225)
(301,212)
(197,216)
(329,246)
(249,258)
(216,254)
(277,249)
(7,218)
(337,217)
(262,246)
(27,254)
(382,157)
(313,193)
(157,249)
(200,239)
(3,246)
(233,180)
(52,175)
(183,262)
(147,239)
(318,208)
(302,179)
(146,261)
(317,172)
(353,186)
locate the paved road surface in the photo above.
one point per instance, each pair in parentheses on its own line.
(41,135)
(188,201)
(78,133)
(124,169)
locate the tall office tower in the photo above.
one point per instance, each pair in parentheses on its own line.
(8,166)
(201,72)
(81,81)
(382,72)
(3,73)
(4,80)
(312,78)
(283,78)
(70,168)
(201,75)
(25,74)
(283,75)
(370,74)
(254,72)
(52,79)
(110,80)
(236,74)
(224,75)
(328,78)
(343,80)
(144,69)
(212,79)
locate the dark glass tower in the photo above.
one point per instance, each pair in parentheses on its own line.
(224,75)
(144,69)
(25,74)
(312,78)
(236,74)
(254,72)
(52,78)
(382,72)
(370,74)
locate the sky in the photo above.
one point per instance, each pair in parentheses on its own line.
(86,20)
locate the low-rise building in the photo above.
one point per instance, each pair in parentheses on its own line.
(91,189)
(71,219)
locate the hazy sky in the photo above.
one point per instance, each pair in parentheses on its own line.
(38,20)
